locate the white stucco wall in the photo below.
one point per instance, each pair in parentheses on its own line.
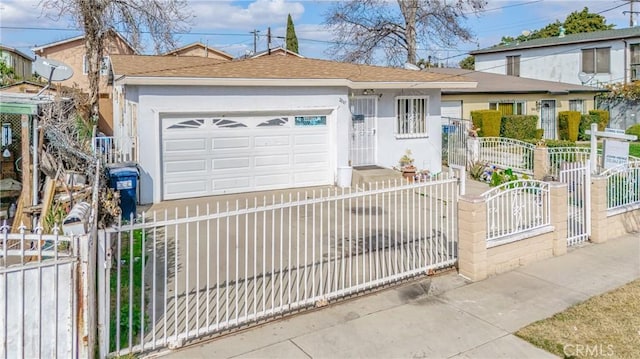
(560,63)
(426,151)
(156,102)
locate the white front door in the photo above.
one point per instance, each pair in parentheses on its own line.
(364,110)
(211,155)
(548,119)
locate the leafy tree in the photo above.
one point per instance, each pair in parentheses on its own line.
(292,39)
(7,75)
(361,28)
(576,22)
(468,63)
(160,18)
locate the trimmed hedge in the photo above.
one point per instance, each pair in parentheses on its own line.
(520,127)
(488,121)
(585,124)
(602,118)
(539,133)
(634,130)
(568,125)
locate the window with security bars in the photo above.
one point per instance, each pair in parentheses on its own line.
(513,65)
(508,107)
(596,61)
(634,62)
(576,105)
(411,116)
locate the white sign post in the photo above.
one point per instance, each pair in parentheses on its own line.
(615,151)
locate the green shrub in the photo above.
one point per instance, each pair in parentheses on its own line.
(520,127)
(585,124)
(488,121)
(634,130)
(568,125)
(539,133)
(602,118)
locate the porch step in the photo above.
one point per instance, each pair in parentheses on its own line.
(365,177)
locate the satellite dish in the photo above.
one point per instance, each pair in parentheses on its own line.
(410,66)
(52,69)
(526,32)
(585,77)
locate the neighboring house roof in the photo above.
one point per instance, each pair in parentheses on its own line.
(272,71)
(584,37)
(276,51)
(25,87)
(16,51)
(41,48)
(200,45)
(496,83)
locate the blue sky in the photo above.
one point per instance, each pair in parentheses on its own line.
(226,24)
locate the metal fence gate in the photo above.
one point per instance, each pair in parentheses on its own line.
(363,130)
(38,295)
(577,176)
(192,272)
(454,141)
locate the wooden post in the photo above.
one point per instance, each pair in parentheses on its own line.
(25,196)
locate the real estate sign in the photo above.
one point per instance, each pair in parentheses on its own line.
(615,153)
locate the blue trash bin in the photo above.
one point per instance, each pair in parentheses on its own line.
(125,181)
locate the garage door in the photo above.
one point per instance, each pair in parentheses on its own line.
(204,156)
(451,109)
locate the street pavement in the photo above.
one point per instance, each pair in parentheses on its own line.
(443,316)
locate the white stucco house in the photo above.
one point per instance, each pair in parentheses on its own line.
(592,58)
(207,127)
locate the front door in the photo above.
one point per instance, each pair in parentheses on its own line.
(548,119)
(362,148)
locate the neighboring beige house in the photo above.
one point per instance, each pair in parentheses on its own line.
(72,52)
(18,61)
(201,50)
(276,51)
(515,96)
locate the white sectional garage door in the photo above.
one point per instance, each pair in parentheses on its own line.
(204,156)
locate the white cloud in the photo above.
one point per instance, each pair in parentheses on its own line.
(27,13)
(230,15)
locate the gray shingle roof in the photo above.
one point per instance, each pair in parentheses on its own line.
(496,83)
(617,34)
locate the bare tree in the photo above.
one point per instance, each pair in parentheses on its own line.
(363,27)
(161,19)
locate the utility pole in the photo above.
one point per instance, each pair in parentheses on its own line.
(269,40)
(631,24)
(255,39)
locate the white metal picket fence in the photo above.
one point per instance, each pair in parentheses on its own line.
(115,149)
(516,207)
(577,176)
(506,153)
(182,274)
(37,294)
(623,186)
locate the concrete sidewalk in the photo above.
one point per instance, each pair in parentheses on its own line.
(440,317)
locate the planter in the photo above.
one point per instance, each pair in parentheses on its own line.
(409,173)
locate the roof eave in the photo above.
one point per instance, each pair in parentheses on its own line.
(197,81)
(526,47)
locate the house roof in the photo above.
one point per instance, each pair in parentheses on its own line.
(200,45)
(272,71)
(276,51)
(16,51)
(584,37)
(496,83)
(72,39)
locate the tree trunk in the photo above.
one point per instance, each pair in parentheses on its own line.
(92,13)
(409,9)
